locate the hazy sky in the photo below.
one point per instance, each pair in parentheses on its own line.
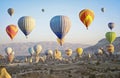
(71,8)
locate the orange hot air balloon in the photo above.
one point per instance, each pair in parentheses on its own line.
(86,16)
(11,30)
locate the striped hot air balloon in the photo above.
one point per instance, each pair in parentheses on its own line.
(10,11)
(26,24)
(11,30)
(60,25)
(86,16)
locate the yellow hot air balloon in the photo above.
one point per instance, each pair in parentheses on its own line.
(79,51)
(68,52)
(10,11)
(26,24)
(86,16)
(4,73)
(11,30)
(57,54)
(110,48)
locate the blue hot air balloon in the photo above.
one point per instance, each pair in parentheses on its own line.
(60,25)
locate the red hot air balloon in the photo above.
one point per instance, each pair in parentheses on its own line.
(11,30)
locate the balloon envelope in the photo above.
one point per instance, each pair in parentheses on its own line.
(31,51)
(26,24)
(79,51)
(60,25)
(102,9)
(110,48)
(37,49)
(42,10)
(11,30)
(49,52)
(10,58)
(68,52)
(10,11)
(8,50)
(86,16)
(110,36)
(57,54)
(111,25)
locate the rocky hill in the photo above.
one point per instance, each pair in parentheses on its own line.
(22,48)
(103,43)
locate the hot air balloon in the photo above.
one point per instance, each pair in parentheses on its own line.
(79,51)
(60,25)
(42,10)
(102,9)
(4,73)
(26,24)
(10,11)
(11,30)
(110,36)
(57,54)
(37,49)
(31,51)
(86,16)
(111,25)
(8,50)
(49,52)
(68,52)
(110,48)
(100,51)
(10,58)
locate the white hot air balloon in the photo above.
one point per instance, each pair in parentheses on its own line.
(26,24)
(37,49)
(49,52)
(8,50)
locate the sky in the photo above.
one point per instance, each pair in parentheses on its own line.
(71,8)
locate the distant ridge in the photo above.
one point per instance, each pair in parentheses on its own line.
(22,48)
(103,43)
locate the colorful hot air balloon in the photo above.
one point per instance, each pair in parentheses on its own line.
(111,25)
(86,16)
(110,48)
(11,30)
(37,49)
(10,11)
(110,36)
(68,52)
(79,51)
(26,24)
(60,25)
(102,9)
